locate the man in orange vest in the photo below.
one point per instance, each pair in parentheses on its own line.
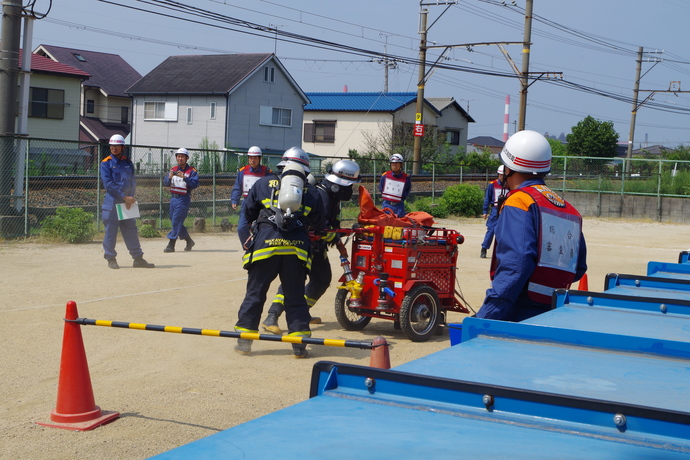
(539,242)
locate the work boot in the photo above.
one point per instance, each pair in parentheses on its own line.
(299,350)
(171,246)
(315,320)
(243,347)
(141,263)
(112,263)
(271,324)
(190,244)
(483,253)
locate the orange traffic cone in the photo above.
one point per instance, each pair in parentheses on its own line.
(584,285)
(76,408)
(379,354)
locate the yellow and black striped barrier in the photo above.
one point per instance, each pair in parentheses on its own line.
(230,334)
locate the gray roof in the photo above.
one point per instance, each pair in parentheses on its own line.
(200,74)
(441,103)
(486,141)
(109,72)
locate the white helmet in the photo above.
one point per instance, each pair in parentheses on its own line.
(396,158)
(117,139)
(501,170)
(183,151)
(298,155)
(311,179)
(254,151)
(527,152)
(344,172)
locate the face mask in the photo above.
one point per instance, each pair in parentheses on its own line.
(346,193)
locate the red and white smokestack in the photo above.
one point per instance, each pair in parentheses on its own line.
(345,89)
(506,119)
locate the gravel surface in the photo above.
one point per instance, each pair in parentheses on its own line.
(172,389)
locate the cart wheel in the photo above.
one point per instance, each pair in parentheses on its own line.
(348,319)
(420,313)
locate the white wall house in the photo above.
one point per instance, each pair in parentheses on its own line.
(337,122)
(233,100)
(54,95)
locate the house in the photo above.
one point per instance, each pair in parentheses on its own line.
(485,143)
(453,121)
(652,151)
(54,99)
(105,108)
(337,122)
(232,100)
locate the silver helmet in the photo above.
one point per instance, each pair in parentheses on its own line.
(344,172)
(298,155)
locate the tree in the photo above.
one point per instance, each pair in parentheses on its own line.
(592,138)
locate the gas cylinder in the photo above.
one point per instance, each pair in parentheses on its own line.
(291,187)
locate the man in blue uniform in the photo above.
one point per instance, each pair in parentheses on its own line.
(248,175)
(539,242)
(490,209)
(332,189)
(181,179)
(394,186)
(117,175)
(277,244)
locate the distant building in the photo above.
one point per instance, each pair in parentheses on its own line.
(651,151)
(232,100)
(485,143)
(104,108)
(337,122)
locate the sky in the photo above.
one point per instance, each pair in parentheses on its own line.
(330,44)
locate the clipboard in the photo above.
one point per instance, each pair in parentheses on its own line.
(123,213)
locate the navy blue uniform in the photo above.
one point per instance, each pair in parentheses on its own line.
(274,251)
(118,179)
(490,207)
(180,199)
(320,275)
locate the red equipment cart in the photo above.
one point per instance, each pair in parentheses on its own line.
(404,274)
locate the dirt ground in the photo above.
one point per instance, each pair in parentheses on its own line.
(171,389)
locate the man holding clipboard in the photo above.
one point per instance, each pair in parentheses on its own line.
(117,174)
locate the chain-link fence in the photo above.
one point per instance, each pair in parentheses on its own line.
(39,175)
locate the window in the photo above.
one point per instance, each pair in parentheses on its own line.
(189,115)
(453,137)
(160,111)
(90,106)
(320,131)
(269,74)
(79,57)
(213,110)
(46,103)
(124,115)
(273,116)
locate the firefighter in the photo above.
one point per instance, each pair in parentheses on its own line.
(395,185)
(117,174)
(334,188)
(181,179)
(539,242)
(247,175)
(277,243)
(494,191)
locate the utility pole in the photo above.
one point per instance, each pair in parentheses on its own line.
(419,119)
(527,41)
(9,76)
(633,116)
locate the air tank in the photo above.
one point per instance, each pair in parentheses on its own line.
(291,187)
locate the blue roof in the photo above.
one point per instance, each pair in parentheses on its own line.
(359,102)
